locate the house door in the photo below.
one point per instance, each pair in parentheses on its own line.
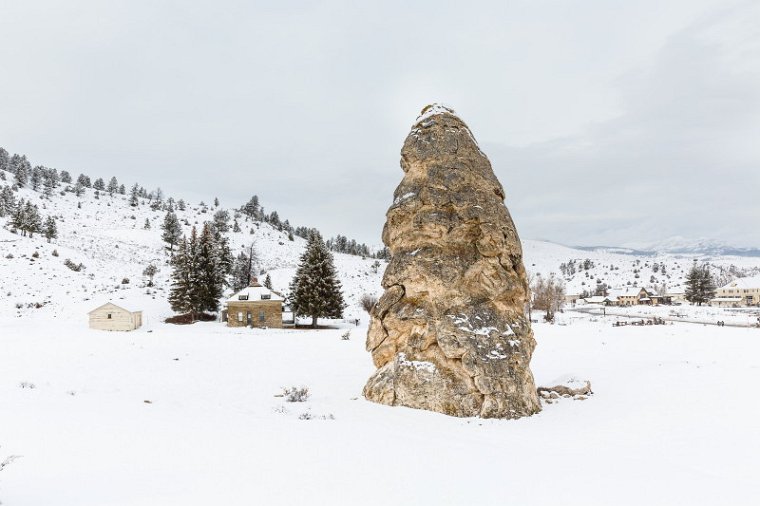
(248,319)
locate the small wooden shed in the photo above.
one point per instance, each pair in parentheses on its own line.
(109,316)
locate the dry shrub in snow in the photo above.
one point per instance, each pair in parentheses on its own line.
(296,394)
(368,302)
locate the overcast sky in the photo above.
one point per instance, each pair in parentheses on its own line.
(607,122)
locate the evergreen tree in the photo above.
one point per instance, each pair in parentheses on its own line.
(133,196)
(315,289)
(51,229)
(85,180)
(78,189)
(99,184)
(181,205)
(216,202)
(113,186)
(268,281)
(65,177)
(36,178)
(172,230)
(122,189)
(222,220)
(5,160)
(7,201)
(209,279)
(21,168)
(147,224)
(182,297)
(236,226)
(17,218)
(700,286)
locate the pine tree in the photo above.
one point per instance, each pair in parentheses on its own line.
(36,178)
(134,193)
(7,201)
(113,186)
(51,229)
(65,177)
(5,160)
(315,289)
(181,205)
(181,293)
(172,230)
(700,286)
(209,279)
(85,180)
(268,281)
(99,184)
(147,224)
(122,189)
(236,226)
(17,218)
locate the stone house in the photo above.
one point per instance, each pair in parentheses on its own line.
(746,289)
(257,306)
(109,316)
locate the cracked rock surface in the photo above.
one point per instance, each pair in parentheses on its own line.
(450,334)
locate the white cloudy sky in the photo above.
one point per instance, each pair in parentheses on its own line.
(607,121)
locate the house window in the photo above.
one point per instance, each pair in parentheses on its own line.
(242,297)
(266,296)
(109,316)
(240,316)
(262,316)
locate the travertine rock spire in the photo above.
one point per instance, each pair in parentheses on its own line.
(450,332)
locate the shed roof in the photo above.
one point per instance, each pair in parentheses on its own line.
(114,306)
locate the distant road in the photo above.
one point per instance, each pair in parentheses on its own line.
(670,318)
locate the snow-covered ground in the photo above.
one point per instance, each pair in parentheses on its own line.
(189,415)
(186,415)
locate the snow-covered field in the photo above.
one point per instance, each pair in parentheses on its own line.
(190,415)
(672,421)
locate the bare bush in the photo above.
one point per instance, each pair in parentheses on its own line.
(368,302)
(548,295)
(295,394)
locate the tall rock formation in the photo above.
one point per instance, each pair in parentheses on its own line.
(450,332)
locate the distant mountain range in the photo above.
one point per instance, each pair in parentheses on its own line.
(677,245)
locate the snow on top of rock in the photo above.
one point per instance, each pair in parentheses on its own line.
(431,110)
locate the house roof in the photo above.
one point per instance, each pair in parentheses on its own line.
(596,299)
(254,293)
(726,299)
(752,282)
(628,291)
(114,306)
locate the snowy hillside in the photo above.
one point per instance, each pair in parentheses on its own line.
(617,269)
(107,236)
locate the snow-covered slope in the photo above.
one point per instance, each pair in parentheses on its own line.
(106,235)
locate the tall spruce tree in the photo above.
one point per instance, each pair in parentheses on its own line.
(210,273)
(183,296)
(172,230)
(315,290)
(700,286)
